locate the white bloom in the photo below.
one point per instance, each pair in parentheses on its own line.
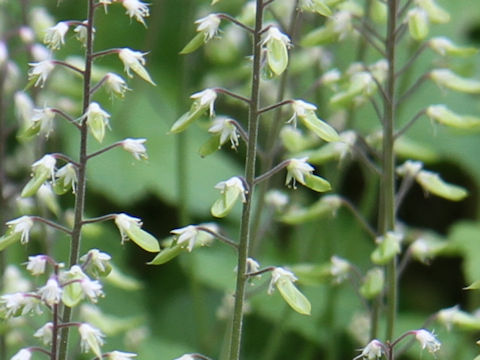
(40,71)
(136,9)
(427,340)
(410,168)
(40,52)
(301,109)
(119,355)
(23,106)
(277,199)
(45,117)
(115,84)
(124,222)
(105,3)
(68,175)
(96,259)
(252,265)
(36,264)
(90,338)
(45,164)
(55,36)
(340,268)
(280,273)
(233,182)
(21,225)
(97,120)
(274,34)
(331,77)
(51,293)
(187,234)
(81,33)
(372,351)
(206,98)
(24,354)
(296,171)
(45,333)
(135,147)
(224,126)
(10,304)
(134,60)
(3,53)
(208,25)
(91,288)
(185,357)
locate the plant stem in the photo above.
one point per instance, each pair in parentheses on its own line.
(237,322)
(81,185)
(387,206)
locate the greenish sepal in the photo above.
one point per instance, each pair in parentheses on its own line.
(143,239)
(312,274)
(293,296)
(321,36)
(9,238)
(293,140)
(28,132)
(188,118)
(59,187)
(194,44)
(31,83)
(320,7)
(210,146)
(386,250)
(317,183)
(72,294)
(432,183)
(418,25)
(167,254)
(452,81)
(34,184)
(222,206)
(94,345)
(122,281)
(323,130)
(277,56)
(436,14)
(322,155)
(373,283)
(447,117)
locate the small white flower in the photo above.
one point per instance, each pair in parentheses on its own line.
(105,3)
(51,293)
(45,165)
(187,234)
(136,9)
(21,225)
(206,98)
(40,71)
(227,130)
(120,355)
(45,333)
(55,36)
(136,148)
(10,304)
(96,259)
(185,357)
(276,199)
(68,175)
(233,182)
(280,273)
(340,268)
(45,117)
(24,354)
(90,339)
(427,340)
(97,120)
(252,265)
(124,222)
(208,25)
(40,52)
(36,264)
(115,84)
(23,106)
(274,34)
(410,168)
(91,288)
(134,60)
(3,53)
(81,33)
(296,171)
(448,316)
(301,109)
(372,351)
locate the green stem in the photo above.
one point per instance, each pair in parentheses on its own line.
(81,185)
(237,322)
(387,207)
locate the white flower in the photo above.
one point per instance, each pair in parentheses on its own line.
(55,36)
(124,222)
(3,53)
(134,60)
(274,34)
(187,234)
(136,9)
(45,117)
(45,165)
(227,130)
(40,52)
(234,183)
(23,106)
(186,357)
(136,148)
(40,71)
(410,168)
(277,199)
(427,340)
(97,120)
(372,351)
(105,3)
(252,265)
(208,25)
(116,85)
(206,98)
(81,33)
(340,268)
(91,288)
(51,293)
(21,225)
(280,273)
(119,355)
(96,259)
(68,175)
(301,109)
(90,339)
(45,333)
(10,304)
(24,354)
(296,171)
(36,264)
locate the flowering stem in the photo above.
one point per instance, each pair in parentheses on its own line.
(40,350)
(236,22)
(81,185)
(274,106)
(232,94)
(55,328)
(70,66)
(66,116)
(414,87)
(260,272)
(99,219)
(363,222)
(245,234)
(410,123)
(105,149)
(51,224)
(414,57)
(241,131)
(105,52)
(271,172)
(98,85)
(221,237)
(65,158)
(367,37)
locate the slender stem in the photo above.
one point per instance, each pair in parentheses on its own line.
(240,129)
(105,149)
(66,116)
(253,117)
(51,224)
(232,94)
(98,85)
(70,66)
(367,37)
(410,123)
(260,272)
(366,226)
(236,22)
(55,328)
(271,172)
(99,219)
(274,106)
(81,185)
(413,88)
(65,158)
(387,206)
(105,52)
(221,237)
(412,59)
(40,350)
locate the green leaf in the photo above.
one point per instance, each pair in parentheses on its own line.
(188,118)
(323,130)
(317,183)
(143,239)
(293,296)
(194,44)
(432,183)
(9,238)
(167,254)
(277,56)
(222,206)
(210,146)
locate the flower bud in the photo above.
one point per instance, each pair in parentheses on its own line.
(432,183)
(448,79)
(231,190)
(445,46)
(447,117)
(97,120)
(134,60)
(277,45)
(373,283)
(283,280)
(418,24)
(55,35)
(388,247)
(136,148)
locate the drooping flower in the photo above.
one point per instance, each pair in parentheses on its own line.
(67,176)
(136,9)
(91,288)
(130,229)
(187,234)
(206,99)
(91,339)
(186,357)
(36,264)
(96,262)
(427,340)
(24,354)
(44,117)
(51,293)
(45,165)
(232,183)
(81,33)
(21,225)
(45,333)
(373,350)
(120,355)
(208,25)
(97,120)
(280,273)
(136,148)
(134,60)
(277,44)
(55,36)
(227,130)
(124,223)
(301,109)
(40,71)
(116,85)
(297,169)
